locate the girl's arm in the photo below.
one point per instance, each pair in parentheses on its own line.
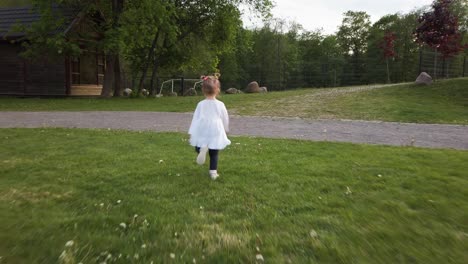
(225,118)
(196,115)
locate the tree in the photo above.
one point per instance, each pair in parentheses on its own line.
(439,30)
(352,36)
(388,48)
(234,62)
(212,22)
(353,31)
(14,3)
(178,27)
(311,58)
(333,57)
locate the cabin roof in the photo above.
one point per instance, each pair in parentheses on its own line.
(26,16)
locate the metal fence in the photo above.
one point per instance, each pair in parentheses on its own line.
(323,72)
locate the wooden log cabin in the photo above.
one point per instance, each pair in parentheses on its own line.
(81,75)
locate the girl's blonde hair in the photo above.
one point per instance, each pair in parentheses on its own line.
(211,85)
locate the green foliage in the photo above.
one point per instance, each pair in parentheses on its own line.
(46,40)
(191,34)
(202,37)
(14,3)
(353,32)
(290,201)
(141,21)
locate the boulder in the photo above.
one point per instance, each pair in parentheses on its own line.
(263,89)
(190,92)
(232,91)
(127,92)
(144,92)
(253,87)
(424,79)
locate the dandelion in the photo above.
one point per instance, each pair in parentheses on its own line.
(161,161)
(102,204)
(123,225)
(320,197)
(135,216)
(143,246)
(178,174)
(136,256)
(201,207)
(145,223)
(66,257)
(194,261)
(313,233)
(119,201)
(69,243)
(259,257)
(380,175)
(348,190)
(172,255)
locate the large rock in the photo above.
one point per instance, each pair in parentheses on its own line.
(190,92)
(127,92)
(253,87)
(424,79)
(232,91)
(263,89)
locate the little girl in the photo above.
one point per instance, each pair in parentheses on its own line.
(209,125)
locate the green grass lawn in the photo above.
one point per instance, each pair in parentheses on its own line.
(290,201)
(444,102)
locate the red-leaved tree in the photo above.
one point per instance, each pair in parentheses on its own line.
(439,30)
(388,47)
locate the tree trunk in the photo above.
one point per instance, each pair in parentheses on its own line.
(117,9)
(388,72)
(435,65)
(150,58)
(117,77)
(108,76)
(153,91)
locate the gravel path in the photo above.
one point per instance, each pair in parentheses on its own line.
(386,133)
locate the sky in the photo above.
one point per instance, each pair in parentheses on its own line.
(327,14)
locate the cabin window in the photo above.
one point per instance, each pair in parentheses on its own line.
(101,67)
(75,70)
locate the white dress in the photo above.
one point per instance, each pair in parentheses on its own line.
(209,125)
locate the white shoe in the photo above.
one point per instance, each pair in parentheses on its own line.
(214,175)
(202,156)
